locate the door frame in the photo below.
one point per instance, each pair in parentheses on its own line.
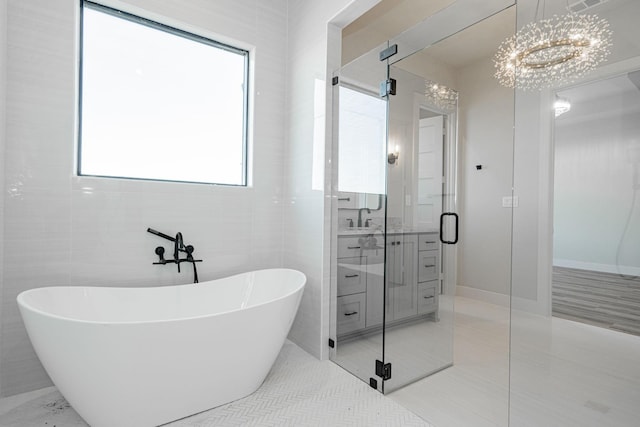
(546,184)
(448,260)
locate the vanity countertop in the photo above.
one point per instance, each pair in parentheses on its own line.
(379,231)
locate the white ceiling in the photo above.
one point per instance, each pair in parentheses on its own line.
(476,42)
(392,17)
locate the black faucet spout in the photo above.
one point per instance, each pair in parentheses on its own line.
(360,215)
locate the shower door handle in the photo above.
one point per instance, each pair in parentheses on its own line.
(455,216)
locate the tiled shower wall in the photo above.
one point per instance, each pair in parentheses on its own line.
(3,80)
(60,229)
(313,53)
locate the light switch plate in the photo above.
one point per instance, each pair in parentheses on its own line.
(510,202)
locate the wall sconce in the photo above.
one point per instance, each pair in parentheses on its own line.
(392,157)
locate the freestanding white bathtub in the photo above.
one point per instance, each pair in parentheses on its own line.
(148,356)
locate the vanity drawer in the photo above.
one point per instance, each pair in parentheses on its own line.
(351,313)
(428,266)
(427,297)
(349,246)
(352,277)
(428,242)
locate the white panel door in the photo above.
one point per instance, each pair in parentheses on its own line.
(429,171)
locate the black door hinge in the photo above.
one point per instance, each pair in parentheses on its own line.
(373,383)
(388,87)
(388,52)
(335,80)
(332,343)
(383,370)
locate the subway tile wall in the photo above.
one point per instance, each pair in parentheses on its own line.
(3,97)
(62,229)
(65,230)
(313,53)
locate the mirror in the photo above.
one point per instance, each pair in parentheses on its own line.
(355,201)
(348,200)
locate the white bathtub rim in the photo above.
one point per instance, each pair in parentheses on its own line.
(23,305)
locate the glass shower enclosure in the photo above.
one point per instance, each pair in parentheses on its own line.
(484,245)
(396,205)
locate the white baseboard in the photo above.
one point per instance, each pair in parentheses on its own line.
(482,295)
(503,300)
(592,266)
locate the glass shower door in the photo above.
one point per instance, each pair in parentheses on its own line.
(421,227)
(434,90)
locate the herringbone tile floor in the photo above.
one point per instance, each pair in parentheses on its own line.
(299,391)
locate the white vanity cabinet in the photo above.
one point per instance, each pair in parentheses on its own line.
(352,285)
(402,291)
(412,273)
(352,275)
(375,287)
(428,273)
(351,313)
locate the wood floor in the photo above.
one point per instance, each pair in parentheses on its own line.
(601,299)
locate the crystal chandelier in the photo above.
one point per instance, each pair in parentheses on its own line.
(553,51)
(441,96)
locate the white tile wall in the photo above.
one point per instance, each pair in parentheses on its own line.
(61,229)
(3,79)
(306,232)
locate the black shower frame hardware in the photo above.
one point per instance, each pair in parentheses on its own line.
(179,247)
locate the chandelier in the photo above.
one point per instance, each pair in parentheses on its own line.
(441,96)
(553,51)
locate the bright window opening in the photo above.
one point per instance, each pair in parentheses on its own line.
(362,136)
(159,103)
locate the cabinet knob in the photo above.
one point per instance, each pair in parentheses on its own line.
(428,297)
(429,241)
(351,275)
(353,247)
(351,314)
(429,265)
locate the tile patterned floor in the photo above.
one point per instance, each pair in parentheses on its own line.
(474,392)
(299,391)
(602,299)
(563,374)
(525,370)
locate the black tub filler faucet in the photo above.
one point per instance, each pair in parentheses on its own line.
(178,246)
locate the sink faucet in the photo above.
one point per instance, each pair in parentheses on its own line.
(360,215)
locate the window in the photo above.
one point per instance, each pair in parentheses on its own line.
(159,103)
(362,133)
